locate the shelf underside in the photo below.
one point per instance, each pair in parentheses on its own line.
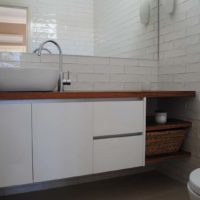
(161,158)
(171,124)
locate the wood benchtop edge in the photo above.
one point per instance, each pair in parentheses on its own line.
(93,95)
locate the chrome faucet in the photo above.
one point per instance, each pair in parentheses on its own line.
(44,49)
(62,80)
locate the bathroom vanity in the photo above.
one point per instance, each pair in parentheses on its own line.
(50,135)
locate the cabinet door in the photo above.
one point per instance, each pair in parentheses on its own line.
(118,153)
(62,140)
(118,117)
(15,145)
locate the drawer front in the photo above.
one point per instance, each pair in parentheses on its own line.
(118,117)
(118,153)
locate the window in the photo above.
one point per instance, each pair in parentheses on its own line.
(13,29)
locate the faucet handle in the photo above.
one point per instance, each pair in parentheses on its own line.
(68,80)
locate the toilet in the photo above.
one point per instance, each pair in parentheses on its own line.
(194,185)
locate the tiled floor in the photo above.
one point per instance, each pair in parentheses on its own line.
(148,186)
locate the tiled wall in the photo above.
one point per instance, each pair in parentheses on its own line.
(179,69)
(92,27)
(94,73)
(119,32)
(69,22)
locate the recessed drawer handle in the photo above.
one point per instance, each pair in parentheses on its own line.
(116,136)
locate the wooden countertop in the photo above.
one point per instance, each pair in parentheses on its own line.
(93,95)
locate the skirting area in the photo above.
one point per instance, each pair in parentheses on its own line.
(145,186)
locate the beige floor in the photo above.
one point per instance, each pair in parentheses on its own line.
(148,186)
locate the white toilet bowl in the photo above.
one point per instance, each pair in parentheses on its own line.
(194,185)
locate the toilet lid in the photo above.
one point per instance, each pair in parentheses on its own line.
(195,181)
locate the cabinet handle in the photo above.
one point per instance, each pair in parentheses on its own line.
(116,136)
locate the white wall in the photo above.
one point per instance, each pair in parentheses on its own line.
(92,27)
(179,69)
(69,22)
(63,20)
(119,33)
(94,73)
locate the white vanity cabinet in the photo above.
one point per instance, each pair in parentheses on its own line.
(62,140)
(119,136)
(15,144)
(79,138)
(50,140)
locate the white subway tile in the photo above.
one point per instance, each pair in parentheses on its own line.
(49,58)
(102,86)
(92,60)
(93,77)
(133,86)
(138,70)
(126,78)
(123,61)
(80,68)
(80,86)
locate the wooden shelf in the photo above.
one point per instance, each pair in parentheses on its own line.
(171,124)
(161,158)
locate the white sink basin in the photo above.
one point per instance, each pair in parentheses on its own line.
(28,79)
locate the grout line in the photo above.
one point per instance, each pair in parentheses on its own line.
(158,30)
(32,142)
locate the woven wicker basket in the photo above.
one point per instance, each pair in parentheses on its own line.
(164,142)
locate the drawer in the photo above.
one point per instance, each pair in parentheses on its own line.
(118,153)
(118,117)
